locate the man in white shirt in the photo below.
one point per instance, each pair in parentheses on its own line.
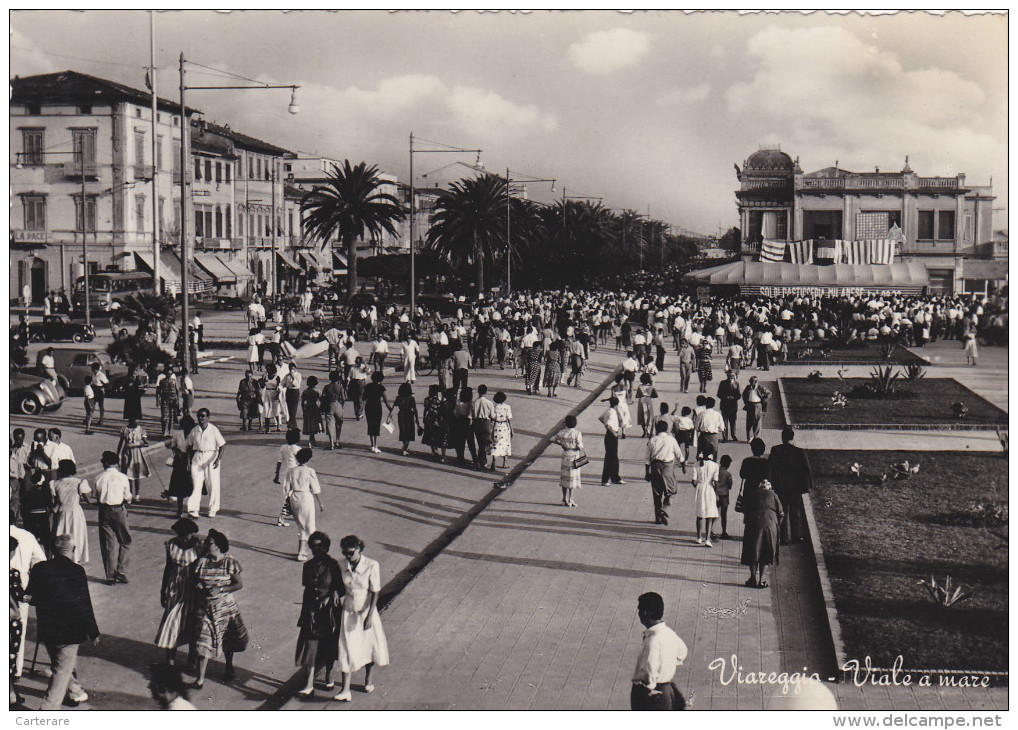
(613,429)
(660,655)
(186,391)
(49,364)
(205,446)
(113,493)
(57,451)
(663,453)
(709,425)
(335,340)
(482,415)
(409,352)
(379,351)
(630,366)
(99,382)
(763,350)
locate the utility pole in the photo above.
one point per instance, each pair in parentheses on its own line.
(413,270)
(84,226)
(155,157)
(184,174)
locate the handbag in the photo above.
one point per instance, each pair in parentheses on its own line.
(581,460)
(740,503)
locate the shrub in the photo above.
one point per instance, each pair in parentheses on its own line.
(139,351)
(882,380)
(945,593)
(913,373)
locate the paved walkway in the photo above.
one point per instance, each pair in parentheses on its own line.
(531,606)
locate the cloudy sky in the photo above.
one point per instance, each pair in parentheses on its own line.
(645,109)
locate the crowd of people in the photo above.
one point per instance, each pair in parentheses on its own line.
(544,338)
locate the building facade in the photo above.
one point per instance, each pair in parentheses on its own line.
(82,176)
(943,220)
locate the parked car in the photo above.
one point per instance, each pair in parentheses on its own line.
(31,394)
(73,366)
(56,327)
(223,302)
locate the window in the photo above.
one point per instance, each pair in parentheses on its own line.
(219,222)
(197,169)
(84,146)
(199,223)
(250,168)
(139,147)
(290,223)
(137,113)
(968,228)
(139,211)
(85,109)
(229,222)
(258,168)
(35,212)
(90,203)
(159,151)
(219,172)
(208,170)
(162,203)
(33,110)
(33,141)
(925,232)
(268,175)
(945,225)
(176,156)
(227,166)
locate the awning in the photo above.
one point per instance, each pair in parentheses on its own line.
(338,264)
(198,280)
(219,271)
(984,269)
(753,274)
(238,268)
(288,260)
(311,260)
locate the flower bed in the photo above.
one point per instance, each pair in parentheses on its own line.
(928,404)
(880,538)
(856,353)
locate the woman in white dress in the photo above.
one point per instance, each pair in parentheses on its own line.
(705,476)
(502,434)
(302,489)
(570,439)
(254,341)
(618,390)
(272,397)
(69,518)
(362,641)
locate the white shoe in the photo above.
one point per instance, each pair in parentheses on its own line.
(78,699)
(343,697)
(369,688)
(708,543)
(699,541)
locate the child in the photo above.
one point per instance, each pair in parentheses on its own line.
(287,461)
(89,406)
(722,488)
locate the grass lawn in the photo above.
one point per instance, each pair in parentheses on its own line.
(925,404)
(880,540)
(858,353)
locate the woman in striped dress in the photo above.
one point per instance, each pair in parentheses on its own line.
(534,356)
(177,592)
(570,439)
(217,618)
(704,370)
(131,448)
(553,367)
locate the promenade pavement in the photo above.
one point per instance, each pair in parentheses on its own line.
(526,605)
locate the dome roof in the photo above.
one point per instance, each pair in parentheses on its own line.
(769,159)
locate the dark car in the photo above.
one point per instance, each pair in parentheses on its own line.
(229,303)
(31,394)
(74,369)
(57,327)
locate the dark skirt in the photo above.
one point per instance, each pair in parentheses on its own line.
(407,425)
(132,407)
(373,414)
(180,477)
(318,640)
(760,540)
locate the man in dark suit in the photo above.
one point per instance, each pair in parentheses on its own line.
(729,394)
(791,477)
(59,590)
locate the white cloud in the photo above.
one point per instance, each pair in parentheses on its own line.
(678,97)
(609,50)
(827,94)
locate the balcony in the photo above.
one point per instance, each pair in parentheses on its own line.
(937,183)
(73,169)
(927,247)
(144,172)
(218,244)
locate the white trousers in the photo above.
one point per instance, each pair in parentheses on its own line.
(203,474)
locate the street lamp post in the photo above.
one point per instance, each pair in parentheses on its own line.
(413,269)
(185,173)
(508,217)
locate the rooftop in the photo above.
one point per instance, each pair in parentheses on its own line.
(78,89)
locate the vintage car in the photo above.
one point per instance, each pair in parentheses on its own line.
(230,303)
(56,327)
(74,369)
(31,394)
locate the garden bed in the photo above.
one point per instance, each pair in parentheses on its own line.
(927,404)
(879,539)
(857,353)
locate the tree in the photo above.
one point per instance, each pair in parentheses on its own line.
(468,226)
(349,205)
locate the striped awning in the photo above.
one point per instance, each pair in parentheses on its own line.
(751,275)
(219,271)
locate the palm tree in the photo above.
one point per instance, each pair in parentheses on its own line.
(468,226)
(580,240)
(349,205)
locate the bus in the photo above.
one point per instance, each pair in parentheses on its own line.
(107,287)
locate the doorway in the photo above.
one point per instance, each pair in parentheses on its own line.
(37,280)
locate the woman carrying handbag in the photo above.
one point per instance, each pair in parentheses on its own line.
(574,458)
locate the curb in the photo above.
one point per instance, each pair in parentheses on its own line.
(833,624)
(401,580)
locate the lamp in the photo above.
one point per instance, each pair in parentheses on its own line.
(294,107)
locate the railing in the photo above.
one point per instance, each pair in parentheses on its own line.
(822,183)
(220,244)
(949,183)
(939,247)
(757,184)
(73,169)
